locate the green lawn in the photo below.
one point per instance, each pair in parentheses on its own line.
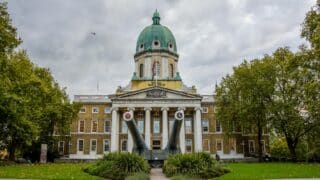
(46,171)
(272,170)
(239,171)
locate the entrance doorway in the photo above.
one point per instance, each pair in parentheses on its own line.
(156,144)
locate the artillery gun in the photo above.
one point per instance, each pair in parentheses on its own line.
(155,157)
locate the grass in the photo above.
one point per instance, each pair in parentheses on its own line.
(47,171)
(272,170)
(238,171)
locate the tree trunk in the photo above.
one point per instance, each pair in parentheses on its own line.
(259,144)
(292,148)
(12,151)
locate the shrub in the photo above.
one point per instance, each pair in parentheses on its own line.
(119,166)
(197,165)
(279,148)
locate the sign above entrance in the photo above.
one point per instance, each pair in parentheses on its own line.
(156,93)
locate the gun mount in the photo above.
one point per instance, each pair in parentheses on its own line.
(172,146)
(139,144)
(155,157)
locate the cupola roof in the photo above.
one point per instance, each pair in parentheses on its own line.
(156,37)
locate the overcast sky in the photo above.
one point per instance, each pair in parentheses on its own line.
(212,36)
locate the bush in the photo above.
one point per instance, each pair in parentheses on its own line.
(119,166)
(195,165)
(279,148)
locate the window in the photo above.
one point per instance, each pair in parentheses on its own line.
(61,147)
(251,146)
(204,109)
(170,46)
(206,145)
(141,47)
(124,145)
(171,71)
(82,110)
(205,126)
(219,145)
(95,110)
(188,145)
(81,126)
(93,145)
(94,126)
(218,126)
(141,71)
(106,145)
(141,126)
(156,43)
(80,145)
(107,110)
(107,126)
(156,69)
(188,125)
(124,127)
(156,126)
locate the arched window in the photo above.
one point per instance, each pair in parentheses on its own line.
(141,71)
(156,69)
(171,71)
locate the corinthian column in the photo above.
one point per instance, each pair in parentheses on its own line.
(164,126)
(115,130)
(147,134)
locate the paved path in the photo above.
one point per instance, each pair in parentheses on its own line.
(156,174)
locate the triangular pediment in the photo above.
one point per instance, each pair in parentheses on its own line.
(157,93)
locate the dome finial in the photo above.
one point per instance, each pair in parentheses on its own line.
(156,18)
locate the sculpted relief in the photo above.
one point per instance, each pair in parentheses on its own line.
(156,93)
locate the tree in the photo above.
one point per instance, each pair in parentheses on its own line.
(311,27)
(8,33)
(289,99)
(32,104)
(245,95)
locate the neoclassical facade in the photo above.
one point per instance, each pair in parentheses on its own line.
(156,91)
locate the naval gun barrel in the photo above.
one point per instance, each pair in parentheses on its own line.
(139,144)
(175,132)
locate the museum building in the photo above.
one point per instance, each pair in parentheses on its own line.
(156,91)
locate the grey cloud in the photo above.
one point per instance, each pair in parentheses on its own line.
(212,36)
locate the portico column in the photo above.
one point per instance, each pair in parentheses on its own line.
(147,134)
(130,140)
(182,136)
(164,126)
(115,130)
(197,130)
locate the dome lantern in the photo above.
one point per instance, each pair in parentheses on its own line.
(156,18)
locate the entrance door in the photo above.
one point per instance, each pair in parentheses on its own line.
(156,144)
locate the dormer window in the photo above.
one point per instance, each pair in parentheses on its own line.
(170,46)
(141,47)
(156,44)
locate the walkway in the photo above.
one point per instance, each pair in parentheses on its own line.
(156,174)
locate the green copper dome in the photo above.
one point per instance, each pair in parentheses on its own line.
(156,37)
